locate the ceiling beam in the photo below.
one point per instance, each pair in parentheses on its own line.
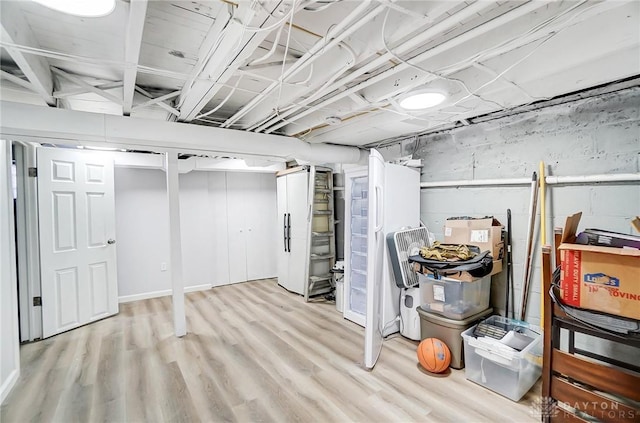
(160,101)
(84,84)
(78,91)
(133,43)
(16,30)
(16,80)
(231,42)
(157,100)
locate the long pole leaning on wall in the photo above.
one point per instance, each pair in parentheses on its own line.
(543,233)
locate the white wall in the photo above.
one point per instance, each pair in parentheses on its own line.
(141,229)
(9,342)
(599,135)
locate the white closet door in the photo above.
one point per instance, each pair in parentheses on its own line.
(261,237)
(218,201)
(239,200)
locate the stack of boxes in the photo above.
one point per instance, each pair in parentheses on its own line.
(450,305)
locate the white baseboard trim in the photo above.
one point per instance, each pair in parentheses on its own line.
(8,384)
(156,294)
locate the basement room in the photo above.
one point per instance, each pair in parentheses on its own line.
(319,211)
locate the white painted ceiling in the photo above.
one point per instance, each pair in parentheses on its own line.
(220,63)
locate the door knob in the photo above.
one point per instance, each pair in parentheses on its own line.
(111,241)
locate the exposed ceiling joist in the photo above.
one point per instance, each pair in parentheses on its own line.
(133,42)
(346,27)
(78,91)
(520,11)
(17,80)
(16,30)
(157,100)
(444,25)
(234,43)
(160,103)
(84,84)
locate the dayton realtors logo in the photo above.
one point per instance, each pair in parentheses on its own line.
(601,410)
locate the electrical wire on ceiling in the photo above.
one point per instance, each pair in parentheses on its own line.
(271,51)
(534,50)
(94,61)
(482,54)
(197,71)
(215,109)
(317,91)
(304,81)
(271,27)
(476,58)
(428,72)
(284,59)
(328,3)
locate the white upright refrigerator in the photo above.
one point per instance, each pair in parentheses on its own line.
(379,199)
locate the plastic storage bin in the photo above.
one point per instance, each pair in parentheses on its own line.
(452,298)
(449,331)
(491,363)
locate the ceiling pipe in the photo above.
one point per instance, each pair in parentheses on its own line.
(469,35)
(442,26)
(452,69)
(26,122)
(549,180)
(345,28)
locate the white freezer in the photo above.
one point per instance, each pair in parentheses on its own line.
(379,199)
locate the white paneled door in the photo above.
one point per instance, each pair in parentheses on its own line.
(77,238)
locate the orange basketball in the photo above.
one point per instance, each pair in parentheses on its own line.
(434,355)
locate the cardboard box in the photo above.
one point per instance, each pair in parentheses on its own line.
(597,278)
(484,233)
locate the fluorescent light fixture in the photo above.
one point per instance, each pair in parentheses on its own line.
(84,8)
(419,100)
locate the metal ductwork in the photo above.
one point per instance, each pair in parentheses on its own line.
(25,122)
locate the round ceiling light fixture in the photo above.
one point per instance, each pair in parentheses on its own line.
(83,8)
(333,120)
(418,100)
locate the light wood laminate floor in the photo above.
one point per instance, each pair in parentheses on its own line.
(253,353)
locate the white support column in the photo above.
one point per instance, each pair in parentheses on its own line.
(175,244)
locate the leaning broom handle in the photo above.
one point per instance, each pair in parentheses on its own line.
(543,235)
(529,252)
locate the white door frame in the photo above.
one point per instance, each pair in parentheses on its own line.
(28,243)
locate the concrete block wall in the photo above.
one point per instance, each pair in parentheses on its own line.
(598,135)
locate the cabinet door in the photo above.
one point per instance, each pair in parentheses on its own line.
(298,204)
(218,201)
(281,235)
(238,201)
(262,237)
(298,266)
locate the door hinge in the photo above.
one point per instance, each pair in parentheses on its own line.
(33,172)
(37,301)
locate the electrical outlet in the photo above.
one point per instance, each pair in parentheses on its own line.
(163,267)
